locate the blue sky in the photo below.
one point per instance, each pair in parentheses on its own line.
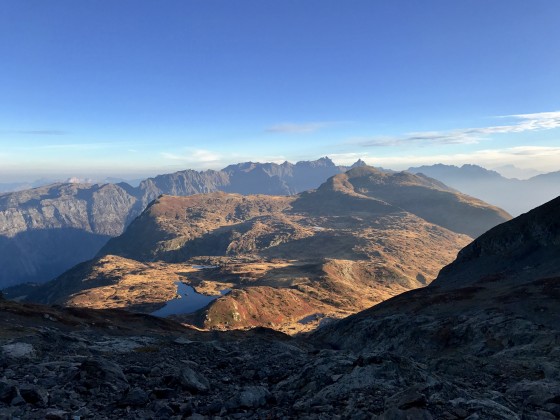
(134,88)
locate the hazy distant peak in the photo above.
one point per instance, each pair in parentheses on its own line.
(467,170)
(478,169)
(512,171)
(322,162)
(358,163)
(242,166)
(76,180)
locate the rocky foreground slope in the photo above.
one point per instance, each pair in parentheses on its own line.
(483,345)
(287,263)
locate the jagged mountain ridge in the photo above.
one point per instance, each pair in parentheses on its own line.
(47,230)
(326,253)
(244,178)
(514,195)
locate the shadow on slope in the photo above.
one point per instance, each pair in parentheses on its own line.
(40,255)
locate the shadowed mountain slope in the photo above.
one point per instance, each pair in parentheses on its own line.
(526,248)
(46,230)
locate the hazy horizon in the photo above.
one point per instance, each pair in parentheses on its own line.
(507,171)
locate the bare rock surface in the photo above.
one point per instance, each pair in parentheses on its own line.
(182,373)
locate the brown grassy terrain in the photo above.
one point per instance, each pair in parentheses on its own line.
(290,262)
(286,270)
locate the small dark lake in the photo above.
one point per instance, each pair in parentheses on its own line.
(189,301)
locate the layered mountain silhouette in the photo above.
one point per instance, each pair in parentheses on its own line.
(49,229)
(514,195)
(46,230)
(288,262)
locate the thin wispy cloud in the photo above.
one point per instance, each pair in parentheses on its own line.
(44,132)
(36,132)
(300,128)
(193,155)
(521,123)
(543,158)
(78,146)
(202,159)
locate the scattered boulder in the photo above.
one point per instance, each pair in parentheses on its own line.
(34,395)
(7,392)
(250,397)
(18,350)
(135,397)
(193,381)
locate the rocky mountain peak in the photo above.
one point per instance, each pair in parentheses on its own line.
(358,163)
(325,162)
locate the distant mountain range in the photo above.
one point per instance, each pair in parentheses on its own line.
(6,187)
(514,195)
(46,230)
(361,237)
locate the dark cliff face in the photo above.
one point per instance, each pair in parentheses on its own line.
(45,230)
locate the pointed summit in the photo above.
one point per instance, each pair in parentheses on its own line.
(358,164)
